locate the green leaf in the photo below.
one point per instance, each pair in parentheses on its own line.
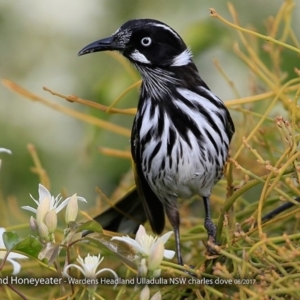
(10,239)
(30,246)
(91,226)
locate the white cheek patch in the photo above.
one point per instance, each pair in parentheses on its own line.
(138,56)
(183,59)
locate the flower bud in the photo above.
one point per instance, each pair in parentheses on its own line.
(145,293)
(142,268)
(71,210)
(33,224)
(51,220)
(42,209)
(156,296)
(156,273)
(43,231)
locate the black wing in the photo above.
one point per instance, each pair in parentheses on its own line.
(153,207)
(229,127)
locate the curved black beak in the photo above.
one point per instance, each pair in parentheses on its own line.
(106,44)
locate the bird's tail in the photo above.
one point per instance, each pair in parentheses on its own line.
(125,216)
(128,213)
(279,210)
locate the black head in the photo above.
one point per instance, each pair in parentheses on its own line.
(145,42)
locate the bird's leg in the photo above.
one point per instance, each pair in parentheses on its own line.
(173,216)
(178,247)
(208,223)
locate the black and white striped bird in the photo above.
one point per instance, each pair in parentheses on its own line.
(181,132)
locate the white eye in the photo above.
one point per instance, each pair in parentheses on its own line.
(146,41)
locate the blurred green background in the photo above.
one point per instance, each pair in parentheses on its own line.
(39,45)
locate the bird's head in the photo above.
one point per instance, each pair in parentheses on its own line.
(145,42)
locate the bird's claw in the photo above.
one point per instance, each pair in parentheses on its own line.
(211,231)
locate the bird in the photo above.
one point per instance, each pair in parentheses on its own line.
(181,132)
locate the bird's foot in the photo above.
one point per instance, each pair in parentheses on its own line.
(211,231)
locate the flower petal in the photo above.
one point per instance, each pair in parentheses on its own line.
(16,266)
(2,230)
(110,271)
(107,270)
(66,201)
(81,199)
(13,255)
(156,256)
(36,202)
(29,208)
(169,254)
(166,236)
(140,233)
(131,242)
(74,266)
(62,205)
(5,150)
(43,193)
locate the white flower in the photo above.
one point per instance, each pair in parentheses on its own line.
(11,256)
(88,267)
(55,203)
(46,212)
(145,244)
